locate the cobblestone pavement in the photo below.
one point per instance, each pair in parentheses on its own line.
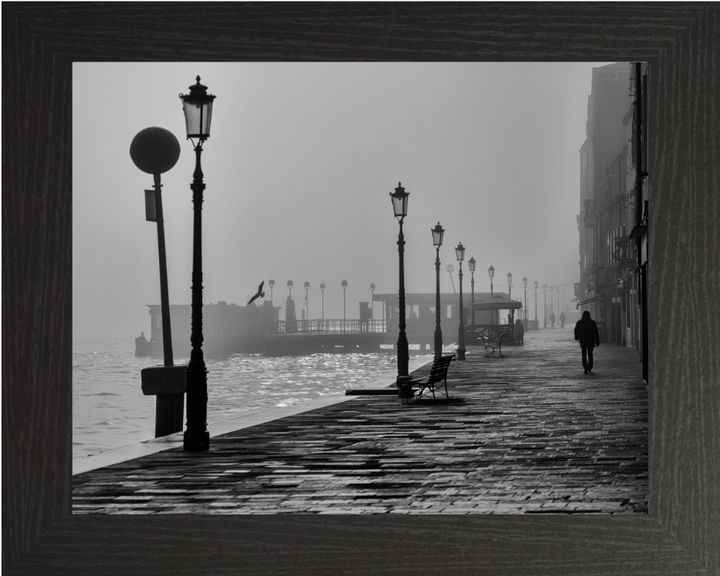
(528,433)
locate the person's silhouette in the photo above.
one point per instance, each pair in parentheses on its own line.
(586,331)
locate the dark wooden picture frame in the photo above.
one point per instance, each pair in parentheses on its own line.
(681,533)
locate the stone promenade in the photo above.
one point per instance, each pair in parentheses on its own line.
(528,433)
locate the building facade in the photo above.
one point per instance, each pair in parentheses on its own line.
(614,190)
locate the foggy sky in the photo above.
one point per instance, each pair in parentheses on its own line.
(298,168)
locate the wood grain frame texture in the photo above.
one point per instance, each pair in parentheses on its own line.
(681,533)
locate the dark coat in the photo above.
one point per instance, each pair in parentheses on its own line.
(586,331)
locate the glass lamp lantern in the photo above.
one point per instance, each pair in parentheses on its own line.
(197,107)
(509,277)
(399,201)
(524,281)
(491,272)
(460,252)
(437,235)
(471,264)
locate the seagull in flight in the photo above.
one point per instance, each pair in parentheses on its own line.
(259,294)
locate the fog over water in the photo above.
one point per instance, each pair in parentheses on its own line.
(298,168)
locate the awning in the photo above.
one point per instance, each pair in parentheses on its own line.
(589,300)
(497,304)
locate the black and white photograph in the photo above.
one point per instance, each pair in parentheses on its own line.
(360,288)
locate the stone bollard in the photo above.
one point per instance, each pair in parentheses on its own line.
(168,383)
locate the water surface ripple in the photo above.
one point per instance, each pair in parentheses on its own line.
(110,410)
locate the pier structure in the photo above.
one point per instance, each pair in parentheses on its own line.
(230,328)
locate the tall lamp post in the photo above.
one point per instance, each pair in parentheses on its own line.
(491,273)
(512,310)
(460,253)
(197,107)
(372,301)
(344,285)
(271,283)
(437,236)
(307,306)
(545,304)
(155,151)
(290,318)
(536,285)
(322,295)
(471,265)
(399,200)
(525,308)
(552,306)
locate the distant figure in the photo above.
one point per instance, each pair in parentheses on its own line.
(519,332)
(586,331)
(562,319)
(552,319)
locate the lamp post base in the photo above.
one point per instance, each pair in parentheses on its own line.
(404,386)
(196,441)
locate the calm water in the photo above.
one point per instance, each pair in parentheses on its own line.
(110,410)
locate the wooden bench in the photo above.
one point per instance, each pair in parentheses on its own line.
(436,379)
(496,344)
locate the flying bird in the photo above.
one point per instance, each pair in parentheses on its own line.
(259,294)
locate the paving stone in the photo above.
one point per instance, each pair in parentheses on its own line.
(529,433)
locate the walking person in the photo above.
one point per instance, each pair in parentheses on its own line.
(586,331)
(562,319)
(552,319)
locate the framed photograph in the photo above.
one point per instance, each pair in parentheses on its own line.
(678,41)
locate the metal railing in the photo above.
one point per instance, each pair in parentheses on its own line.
(488,332)
(313,326)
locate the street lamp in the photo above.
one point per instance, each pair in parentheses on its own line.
(155,151)
(491,273)
(372,301)
(460,253)
(399,200)
(307,306)
(271,283)
(450,269)
(525,289)
(437,236)
(552,306)
(322,295)
(344,285)
(545,304)
(197,107)
(471,265)
(290,286)
(536,286)
(512,311)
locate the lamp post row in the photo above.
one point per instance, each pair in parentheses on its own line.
(197,108)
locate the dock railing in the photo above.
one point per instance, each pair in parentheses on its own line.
(331,326)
